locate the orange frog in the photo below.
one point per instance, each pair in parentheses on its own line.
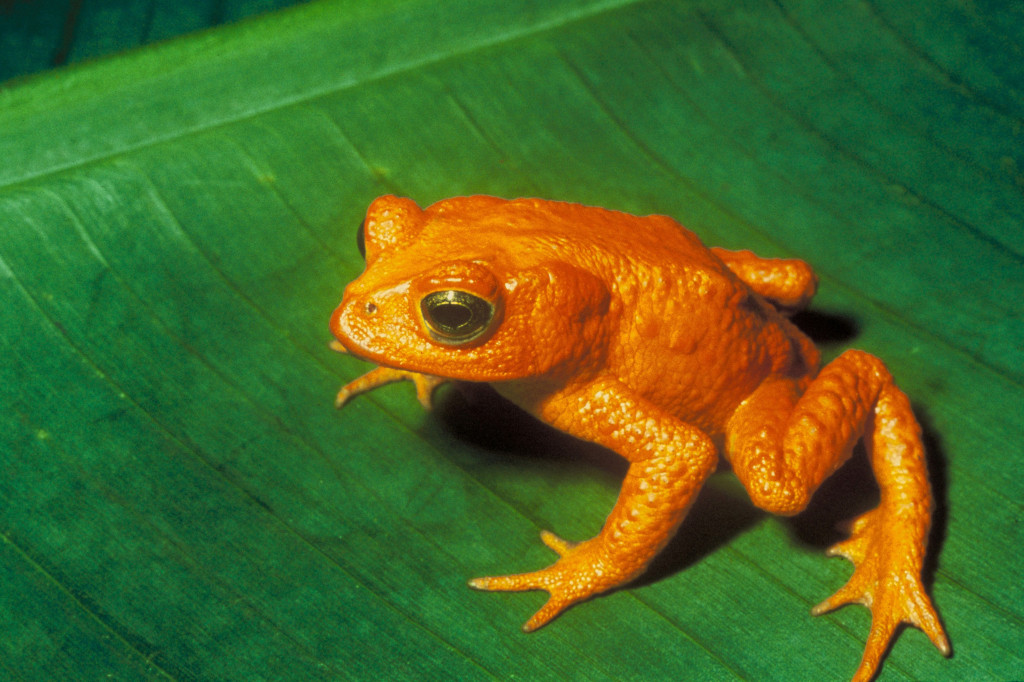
(628,332)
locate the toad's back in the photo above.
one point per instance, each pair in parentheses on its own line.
(689,334)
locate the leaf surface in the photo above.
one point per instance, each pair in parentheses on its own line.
(178,497)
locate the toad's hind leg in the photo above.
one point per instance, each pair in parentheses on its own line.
(782,445)
(786,283)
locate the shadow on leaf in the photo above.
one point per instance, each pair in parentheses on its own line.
(476,414)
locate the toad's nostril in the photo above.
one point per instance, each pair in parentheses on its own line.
(370,308)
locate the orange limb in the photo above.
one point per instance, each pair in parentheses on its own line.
(425,384)
(669,461)
(782,445)
(787,283)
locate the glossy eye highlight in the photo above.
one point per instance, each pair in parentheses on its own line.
(454,317)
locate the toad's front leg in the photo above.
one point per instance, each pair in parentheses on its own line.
(669,461)
(425,384)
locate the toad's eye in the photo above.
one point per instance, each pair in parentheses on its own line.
(361,239)
(454,317)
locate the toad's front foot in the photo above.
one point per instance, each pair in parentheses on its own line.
(582,571)
(425,383)
(886,580)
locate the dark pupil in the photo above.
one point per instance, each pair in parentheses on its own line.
(361,239)
(452,315)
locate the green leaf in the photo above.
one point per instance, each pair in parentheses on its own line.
(40,34)
(178,497)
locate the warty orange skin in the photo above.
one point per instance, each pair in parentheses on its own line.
(628,332)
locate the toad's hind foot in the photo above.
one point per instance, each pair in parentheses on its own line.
(886,580)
